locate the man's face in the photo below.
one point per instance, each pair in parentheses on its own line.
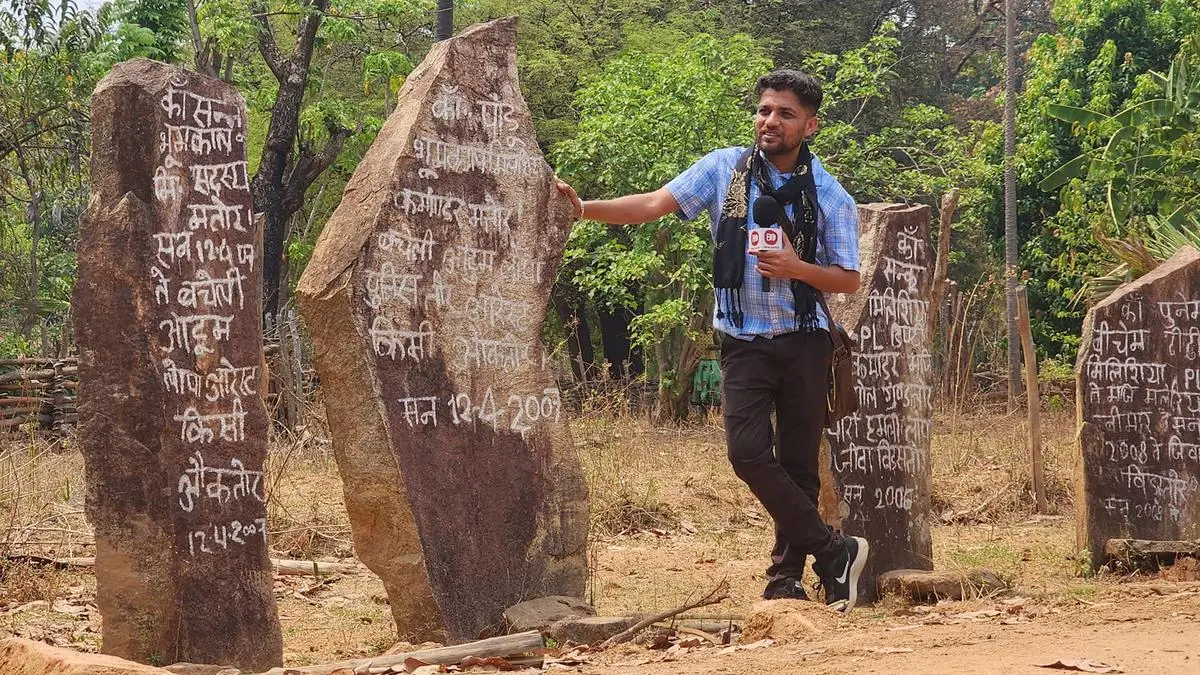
(782,122)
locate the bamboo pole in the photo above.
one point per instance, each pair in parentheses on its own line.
(1033,400)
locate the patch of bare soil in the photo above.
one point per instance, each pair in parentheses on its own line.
(671,522)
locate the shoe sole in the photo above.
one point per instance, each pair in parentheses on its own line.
(856,568)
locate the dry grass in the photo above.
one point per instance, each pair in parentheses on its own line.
(41,497)
(669,521)
(306,509)
(981,465)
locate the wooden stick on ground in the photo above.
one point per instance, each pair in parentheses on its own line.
(1124,548)
(282,567)
(505,645)
(718,594)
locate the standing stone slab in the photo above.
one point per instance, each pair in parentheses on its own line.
(1138,403)
(173,431)
(425,298)
(876,480)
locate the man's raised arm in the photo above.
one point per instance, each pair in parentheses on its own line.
(628,210)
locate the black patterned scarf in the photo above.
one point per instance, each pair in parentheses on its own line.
(729,253)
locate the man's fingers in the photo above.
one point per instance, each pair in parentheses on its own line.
(570,193)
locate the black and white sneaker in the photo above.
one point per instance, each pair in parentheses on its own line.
(785,588)
(839,575)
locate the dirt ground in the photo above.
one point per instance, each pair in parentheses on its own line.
(670,522)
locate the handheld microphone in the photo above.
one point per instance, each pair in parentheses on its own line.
(766,214)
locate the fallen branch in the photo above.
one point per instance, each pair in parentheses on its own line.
(314,568)
(696,632)
(282,567)
(718,594)
(1130,548)
(503,646)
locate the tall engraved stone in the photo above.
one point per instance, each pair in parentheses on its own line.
(876,478)
(173,431)
(425,298)
(1138,403)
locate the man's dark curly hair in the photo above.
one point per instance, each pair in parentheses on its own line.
(805,86)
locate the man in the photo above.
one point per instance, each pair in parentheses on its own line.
(776,348)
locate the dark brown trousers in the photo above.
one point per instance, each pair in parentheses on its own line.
(790,375)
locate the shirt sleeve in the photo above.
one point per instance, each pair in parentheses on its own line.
(695,190)
(840,235)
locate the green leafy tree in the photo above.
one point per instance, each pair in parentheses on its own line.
(1101,52)
(315,78)
(917,155)
(563,44)
(50,59)
(643,119)
(159,27)
(1146,161)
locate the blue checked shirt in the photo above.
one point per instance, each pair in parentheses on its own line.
(702,188)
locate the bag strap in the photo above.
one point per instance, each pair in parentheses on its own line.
(834,334)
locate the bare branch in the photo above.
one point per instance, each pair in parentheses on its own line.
(306,33)
(267,44)
(718,594)
(309,165)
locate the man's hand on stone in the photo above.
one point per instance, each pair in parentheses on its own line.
(784,264)
(569,191)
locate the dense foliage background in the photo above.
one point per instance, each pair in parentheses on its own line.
(627,93)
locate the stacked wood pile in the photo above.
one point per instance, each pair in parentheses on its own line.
(39,392)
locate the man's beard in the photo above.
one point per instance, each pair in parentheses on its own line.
(780,148)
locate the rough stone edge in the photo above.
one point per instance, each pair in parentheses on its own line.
(324,274)
(16,651)
(324,296)
(1183,257)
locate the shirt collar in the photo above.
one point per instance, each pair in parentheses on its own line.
(821,177)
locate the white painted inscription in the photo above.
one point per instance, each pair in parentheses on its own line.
(201,273)
(449,250)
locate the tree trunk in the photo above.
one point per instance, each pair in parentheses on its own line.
(677,356)
(269,188)
(445,20)
(33,214)
(1011,253)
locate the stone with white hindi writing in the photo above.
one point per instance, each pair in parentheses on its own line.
(876,477)
(425,298)
(1138,403)
(173,429)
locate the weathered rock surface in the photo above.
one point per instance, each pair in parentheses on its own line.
(1138,404)
(539,613)
(927,585)
(173,429)
(589,630)
(19,656)
(876,479)
(425,298)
